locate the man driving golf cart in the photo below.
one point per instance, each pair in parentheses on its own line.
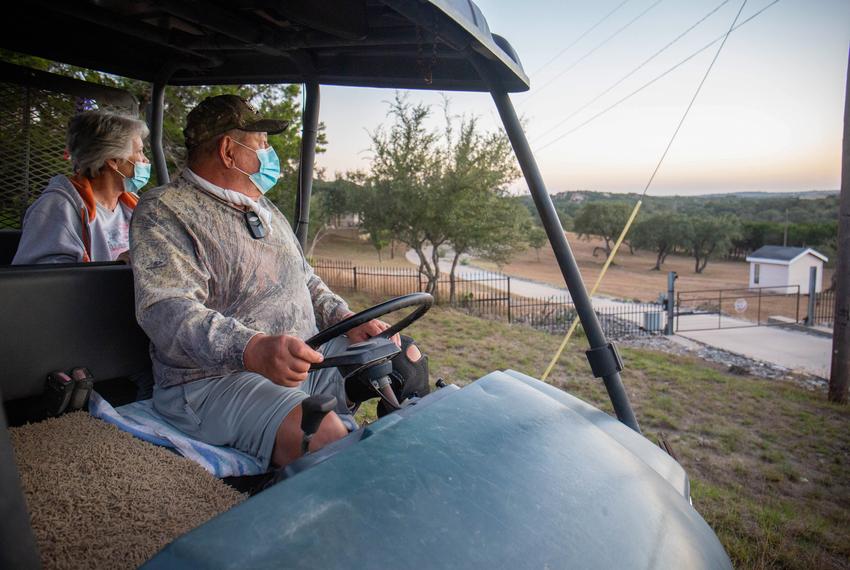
(227,298)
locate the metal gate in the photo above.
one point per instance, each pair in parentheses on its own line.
(711,309)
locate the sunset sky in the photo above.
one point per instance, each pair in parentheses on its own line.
(769,117)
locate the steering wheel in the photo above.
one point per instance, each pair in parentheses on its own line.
(421,300)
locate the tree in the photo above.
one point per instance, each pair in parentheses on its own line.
(480,216)
(430,189)
(661,233)
(402,194)
(709,236)
(537,238)
(602,219)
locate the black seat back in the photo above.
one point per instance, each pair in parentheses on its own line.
(9,240)
(57,317)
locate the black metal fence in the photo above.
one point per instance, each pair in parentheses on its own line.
(737,308)
(489,295)
(824,309)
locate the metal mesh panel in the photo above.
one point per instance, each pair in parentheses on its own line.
(33,125)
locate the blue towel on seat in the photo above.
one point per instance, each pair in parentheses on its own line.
(143,421)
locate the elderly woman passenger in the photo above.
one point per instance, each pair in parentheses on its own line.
(87,217)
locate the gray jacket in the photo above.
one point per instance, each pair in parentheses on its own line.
(205,287)
(53,228)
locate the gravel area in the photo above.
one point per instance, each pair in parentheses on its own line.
(734,363)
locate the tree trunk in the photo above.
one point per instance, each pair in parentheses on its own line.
(434,283)
(658,261)
(452,298)
(317,237)
(696,266)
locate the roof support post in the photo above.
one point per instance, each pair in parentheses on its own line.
(309,134)
(600,349)
(155,121)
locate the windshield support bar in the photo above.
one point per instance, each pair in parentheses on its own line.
(558,240)
(156,119)
(309,134)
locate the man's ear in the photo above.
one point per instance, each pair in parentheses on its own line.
(225,151)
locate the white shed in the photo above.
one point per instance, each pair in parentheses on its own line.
(778,266)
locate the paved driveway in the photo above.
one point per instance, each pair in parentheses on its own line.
(794,350)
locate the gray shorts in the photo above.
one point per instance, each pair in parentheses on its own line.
(244,410)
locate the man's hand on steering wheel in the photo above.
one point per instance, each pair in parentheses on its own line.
(283,359)
(368,330)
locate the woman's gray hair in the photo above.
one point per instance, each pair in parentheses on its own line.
(96,136)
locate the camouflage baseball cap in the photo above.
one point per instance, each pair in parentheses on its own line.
(216,115)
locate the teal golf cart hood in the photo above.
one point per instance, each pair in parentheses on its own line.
(507,472)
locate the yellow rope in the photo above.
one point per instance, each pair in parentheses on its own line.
(595,287)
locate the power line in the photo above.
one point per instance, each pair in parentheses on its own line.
(694,98)
(636,209)
(650,82)
(589,53)
(632,72)
(578,39)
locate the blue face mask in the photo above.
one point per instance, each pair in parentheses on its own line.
(141,175)
(269,171)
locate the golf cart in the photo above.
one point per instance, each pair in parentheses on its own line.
(508,471)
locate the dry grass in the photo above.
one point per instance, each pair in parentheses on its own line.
(768,460)
(347,245)
(631,276)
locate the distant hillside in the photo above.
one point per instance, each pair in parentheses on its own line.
(805,195)
(810,207)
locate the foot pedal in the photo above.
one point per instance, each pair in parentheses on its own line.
(83,384)
(60,388)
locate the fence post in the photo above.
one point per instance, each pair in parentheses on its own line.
(813,284)
(671,304)
(720,309)
(509,299)
(354,271)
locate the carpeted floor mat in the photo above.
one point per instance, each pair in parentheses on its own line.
(100,498)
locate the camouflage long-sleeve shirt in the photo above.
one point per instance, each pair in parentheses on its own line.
(205,287)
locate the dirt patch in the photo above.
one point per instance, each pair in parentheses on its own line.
(631,276)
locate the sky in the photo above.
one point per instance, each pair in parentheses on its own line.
(768,118)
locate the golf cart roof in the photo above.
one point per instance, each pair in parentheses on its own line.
(407,44)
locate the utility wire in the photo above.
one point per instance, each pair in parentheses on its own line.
(694,98)
(643,194)
(632,72)
(578,39)
(588,54)
(650,82)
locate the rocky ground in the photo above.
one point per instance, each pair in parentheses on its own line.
(734,363)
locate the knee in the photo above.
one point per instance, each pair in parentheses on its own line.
(413,353)
(330,430)
(287,445)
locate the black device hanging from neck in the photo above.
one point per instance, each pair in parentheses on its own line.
(255,225)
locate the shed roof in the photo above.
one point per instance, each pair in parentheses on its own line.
(782,255)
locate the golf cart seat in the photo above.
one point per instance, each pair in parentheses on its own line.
(58,317)
(90,308)
(9,240)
